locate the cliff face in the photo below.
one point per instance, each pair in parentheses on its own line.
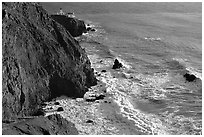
(75,26)
(41,60)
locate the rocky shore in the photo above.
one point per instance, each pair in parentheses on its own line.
(41,61)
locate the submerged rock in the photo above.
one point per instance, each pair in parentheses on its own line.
(117,64)
(51,125)
(40,61)
(189,77)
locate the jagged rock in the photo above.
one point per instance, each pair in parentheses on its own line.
(92,29)
(88,29)
(89,121)
(91,97)
(39,112)
(116,64)
(103,70)
(41,61)
(75,26)
(60,109)
(189,77)
(100,97)
(56,103)
(51,125)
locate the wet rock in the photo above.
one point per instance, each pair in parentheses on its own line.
(88,29)
(116,64)
(100,97)
(189,77)
(43,104)
(91,97)
(39,112)
(97,101)
(92,29)
(60,109)
(56,103)
(103,71)
(89,121)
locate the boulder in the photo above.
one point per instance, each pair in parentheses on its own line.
(103,70)
(117,64)
(91,97)
(89,121)
(56,103)
(60,109)
(88,28)
(40,61)
(189,77)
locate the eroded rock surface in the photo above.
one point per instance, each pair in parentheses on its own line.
(51,125)
(75,26)
(41,61)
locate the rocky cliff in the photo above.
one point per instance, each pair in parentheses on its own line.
(51,125)
(75,26)
(41,60)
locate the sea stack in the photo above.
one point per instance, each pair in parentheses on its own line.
(117,64)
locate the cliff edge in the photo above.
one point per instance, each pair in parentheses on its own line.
(75,26)
(41,60)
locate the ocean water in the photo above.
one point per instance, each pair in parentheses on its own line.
(158,43)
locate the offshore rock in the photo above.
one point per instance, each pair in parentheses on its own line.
(75,26)
(51,125)
(41,61)
(189,77)
(117,64)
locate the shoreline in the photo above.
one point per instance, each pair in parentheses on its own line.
(105,113)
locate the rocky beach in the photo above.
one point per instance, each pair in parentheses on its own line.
(69,75)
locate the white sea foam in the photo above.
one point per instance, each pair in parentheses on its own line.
(124,63)
(189,67)
(147,123)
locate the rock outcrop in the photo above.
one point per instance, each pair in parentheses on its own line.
(51,125)
(75,26)
(41,60)
(189,77)
(117,64)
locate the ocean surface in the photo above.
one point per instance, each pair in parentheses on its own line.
(157,43)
